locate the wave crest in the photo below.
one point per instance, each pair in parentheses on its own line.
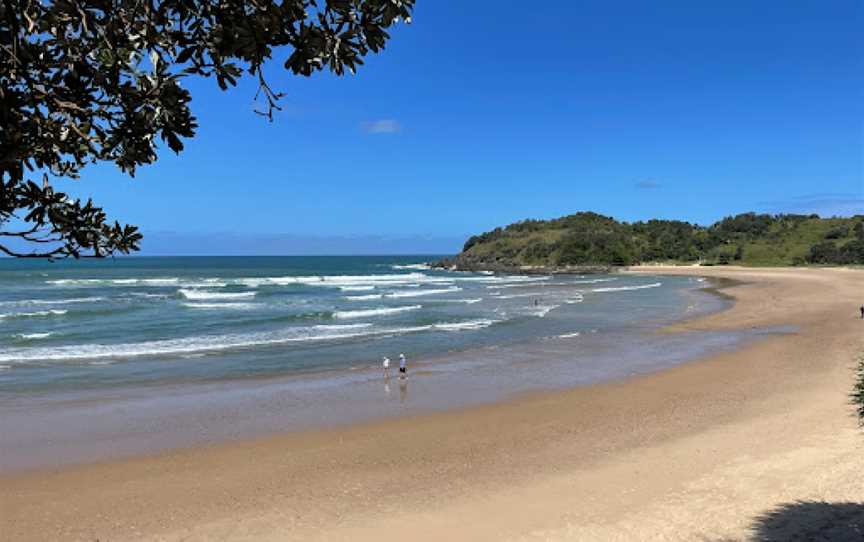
(627,288)
(383,311)
(197,295)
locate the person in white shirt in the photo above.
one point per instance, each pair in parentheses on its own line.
(386,365)
(402,368)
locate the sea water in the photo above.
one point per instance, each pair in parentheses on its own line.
(172,320)
(135,351)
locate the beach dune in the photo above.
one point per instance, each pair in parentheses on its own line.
(760,443)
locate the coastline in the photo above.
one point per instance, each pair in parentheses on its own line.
(684,452)
(59,429)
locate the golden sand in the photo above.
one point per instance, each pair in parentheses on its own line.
(701,451)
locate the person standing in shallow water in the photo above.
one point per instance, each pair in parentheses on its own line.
(386,365)
(403,369)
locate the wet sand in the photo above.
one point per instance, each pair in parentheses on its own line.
(699,451)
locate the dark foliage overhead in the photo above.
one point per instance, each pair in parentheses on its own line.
(86,81)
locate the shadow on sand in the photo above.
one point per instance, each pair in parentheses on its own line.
(811,521)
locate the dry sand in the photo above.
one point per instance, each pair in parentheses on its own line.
(759,443)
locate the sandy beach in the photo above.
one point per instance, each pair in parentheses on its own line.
(760,443)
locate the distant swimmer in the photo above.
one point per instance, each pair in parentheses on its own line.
(386,365)
(403,371)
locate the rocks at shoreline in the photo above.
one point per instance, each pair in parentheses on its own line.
(460,263)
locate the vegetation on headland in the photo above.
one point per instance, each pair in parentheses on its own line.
(589,239)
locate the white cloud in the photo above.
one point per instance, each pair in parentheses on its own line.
(383,126)
(647,184)
(825,204)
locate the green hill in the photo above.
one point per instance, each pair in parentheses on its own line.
(590,239)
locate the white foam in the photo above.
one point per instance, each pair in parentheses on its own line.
(70,301)
(542,310)
(332,281)
(514,296)
(101,354)
(167,281)
(50,312)
(199,295)
(223,306)
(150,296)
(466,301)
(628,288)
(33,336)
(384,311)
(418,266)
(192,345)
(363,297)
(591,281)
(506,279)
(342,281)
(341,327)
(570,335)
(188,345)
(206,283)
(521,284)
(464,326)
(356,288)
(419,293)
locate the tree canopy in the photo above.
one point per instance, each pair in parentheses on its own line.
(591,239)
(87,81)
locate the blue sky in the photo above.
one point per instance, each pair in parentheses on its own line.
(482,113)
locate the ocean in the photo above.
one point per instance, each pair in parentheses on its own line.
(140,350)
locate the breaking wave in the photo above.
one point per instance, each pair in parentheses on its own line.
(36,314)
(417,266)
(419,293)
(168,281)
(223,306)
(542,310)
(198,295)
(469,325)
(26,302)
(33,336)
(627,288)
(189,346)
(384,311)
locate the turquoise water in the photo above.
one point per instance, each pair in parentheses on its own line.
(96,324)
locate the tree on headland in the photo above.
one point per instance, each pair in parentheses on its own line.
(590,239)
(89,81)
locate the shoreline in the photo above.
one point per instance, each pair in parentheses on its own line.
(143,419)
(549,464)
